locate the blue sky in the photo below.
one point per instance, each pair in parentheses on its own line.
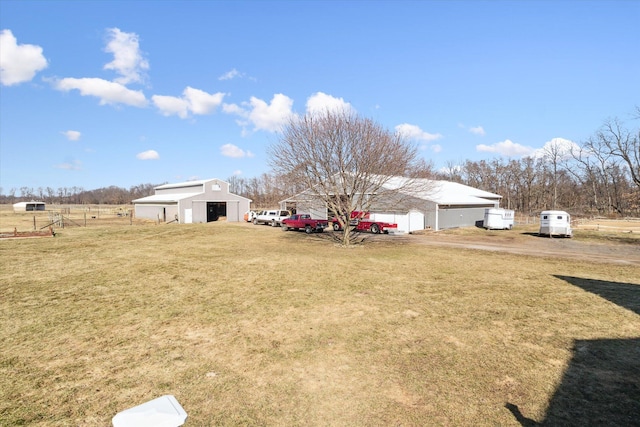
(99,93)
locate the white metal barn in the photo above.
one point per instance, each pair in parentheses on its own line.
(28,206)
(437,205)
(192,202)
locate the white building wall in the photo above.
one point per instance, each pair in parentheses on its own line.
(159,212)
(407,221)
(197,188)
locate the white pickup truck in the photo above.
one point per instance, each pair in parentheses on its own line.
(273,218)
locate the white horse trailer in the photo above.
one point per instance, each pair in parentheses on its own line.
(555,223)
(498,219)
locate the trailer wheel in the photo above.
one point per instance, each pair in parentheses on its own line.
(375,228)
(255,221)
(336,226)
(273,223)
(308,229)
(284,227)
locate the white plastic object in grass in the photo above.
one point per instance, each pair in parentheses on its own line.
(164,411)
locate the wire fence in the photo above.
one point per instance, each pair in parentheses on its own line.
(64,216)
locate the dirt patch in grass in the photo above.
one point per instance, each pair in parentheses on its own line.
(586,245)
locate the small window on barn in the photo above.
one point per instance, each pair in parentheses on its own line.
(544,217)
(215,187)
(559,216)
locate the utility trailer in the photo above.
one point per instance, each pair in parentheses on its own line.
(361,221)
(555,223)
(498,219)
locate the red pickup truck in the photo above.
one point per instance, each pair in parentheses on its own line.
(304,222)
(362,222)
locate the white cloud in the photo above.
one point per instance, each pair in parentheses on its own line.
(506,148)
(321,102)
(72,135)
(71,165)
(170,105)
(194,101)
(270,117)
(436,148)
(148,155)
(450,170)
(201,102)
(237,172)
(556,146)
(230,150)
(414,132)
(478,130)
(128,60)
(108,92)
(18,63)
(234,109)
(230,75)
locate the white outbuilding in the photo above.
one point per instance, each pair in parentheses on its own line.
(28,206)
(192,202)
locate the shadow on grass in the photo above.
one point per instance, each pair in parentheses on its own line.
(601,386)
(357,238)
(545,236)
(625,295)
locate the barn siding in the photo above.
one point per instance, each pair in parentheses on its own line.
(460,217)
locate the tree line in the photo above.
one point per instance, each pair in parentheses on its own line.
(111,195)
(600,176)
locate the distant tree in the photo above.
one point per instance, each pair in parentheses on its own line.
(553,153)
(616,140)
(451,172)
(346,161)
(50,194)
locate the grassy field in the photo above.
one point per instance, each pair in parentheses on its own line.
(249,325)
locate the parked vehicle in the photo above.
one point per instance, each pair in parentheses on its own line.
(555,223)
(271,217)
(304,222)
(361,221)
(498,219)
(250,215)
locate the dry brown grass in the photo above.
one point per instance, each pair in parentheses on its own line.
(77,216)
(248,325)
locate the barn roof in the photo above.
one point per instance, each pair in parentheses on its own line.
(445,192)
(23,204)
(165,198)
(439,192)
(185,184)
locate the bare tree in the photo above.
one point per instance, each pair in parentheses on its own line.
(452,171)
(347,162)
(616,140)
(553,154)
